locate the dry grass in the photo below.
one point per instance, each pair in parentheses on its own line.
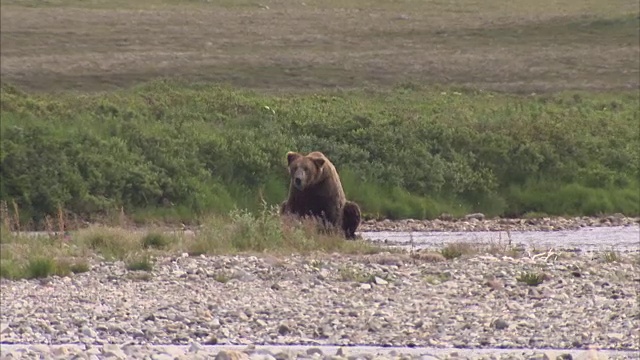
(465,249)
(518,46)
(24,255)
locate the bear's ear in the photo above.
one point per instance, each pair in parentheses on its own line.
(292,156)
(319,162)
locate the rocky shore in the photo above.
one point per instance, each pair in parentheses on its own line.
(384,300)
(478,222)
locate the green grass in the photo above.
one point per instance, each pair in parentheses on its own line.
(175,152)
(531,279)
(39,266)
(140,263)
(611,256)
(453,251)
(353,274)
(156,240)
(265,231)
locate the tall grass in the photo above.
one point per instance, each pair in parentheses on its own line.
(173,152)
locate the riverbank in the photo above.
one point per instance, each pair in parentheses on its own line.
(445,223)
(481,301)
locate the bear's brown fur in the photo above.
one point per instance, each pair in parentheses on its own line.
(315,190)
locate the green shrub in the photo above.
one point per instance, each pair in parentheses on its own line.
(155,240)
(165,150)
(79,267)
(111,243)
(531,279)
(139,263)
(42,267)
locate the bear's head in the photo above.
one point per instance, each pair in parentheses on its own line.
(305,170)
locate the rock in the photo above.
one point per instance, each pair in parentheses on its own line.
(162,356)
(111,351)
(61,351)
(616,336)
(373,326)
(495,284)
(500,324)
(231,355)
(474,216)
(565,356)
(380,281)
(211,341)
(39,348)
(195,347)
(88,332)
(538,357)
(261,357)
(283,329)
(284,355)
(314,351)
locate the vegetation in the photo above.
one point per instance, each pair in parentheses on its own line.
(554,129)
(520,47)
(166,149)
(465,248)
(25,256)
(142,263)
(532,279)
(611,256)
(156,240)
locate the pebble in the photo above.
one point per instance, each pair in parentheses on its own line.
(400,306)
(479,222)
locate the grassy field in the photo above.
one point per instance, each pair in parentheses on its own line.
(425,106)
(519,46)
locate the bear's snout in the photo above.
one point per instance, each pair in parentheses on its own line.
(299,177)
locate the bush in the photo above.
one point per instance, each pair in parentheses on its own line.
(175,152)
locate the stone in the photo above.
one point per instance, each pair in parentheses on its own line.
(231,355)
(380,281)
(500,324)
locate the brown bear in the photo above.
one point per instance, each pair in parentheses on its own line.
(315,190)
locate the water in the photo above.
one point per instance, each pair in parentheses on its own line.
(619,238)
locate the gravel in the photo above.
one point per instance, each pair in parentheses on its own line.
(478,222)
(384,300)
